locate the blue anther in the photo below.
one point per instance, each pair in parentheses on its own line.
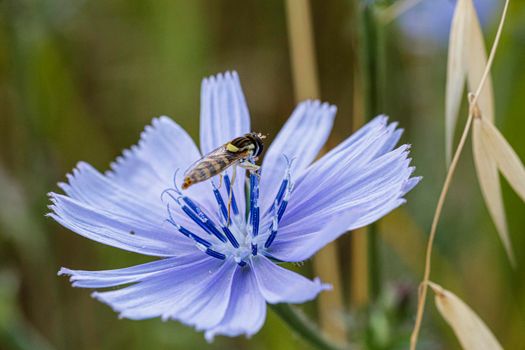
(230,236)
(242,263)
(282,208)
(283,187)
(187,232)
(255,222)
(229,189)
(194,207)
(252,190)
(206,226)
(209,223)
(215,254)
(196,238)
(254,249)
(270,239)
(254,207)
(220,202)
(280,194)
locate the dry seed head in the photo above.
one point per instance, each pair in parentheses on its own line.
(474,107)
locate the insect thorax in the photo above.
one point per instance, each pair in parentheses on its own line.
(250,143)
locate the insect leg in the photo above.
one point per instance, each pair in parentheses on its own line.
(252,168)
(249,166)
(220,181)
(230,194)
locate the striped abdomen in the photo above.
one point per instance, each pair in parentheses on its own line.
(209,167)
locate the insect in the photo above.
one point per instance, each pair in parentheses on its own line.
(241,151)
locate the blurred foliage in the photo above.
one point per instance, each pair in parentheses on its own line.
(79,80)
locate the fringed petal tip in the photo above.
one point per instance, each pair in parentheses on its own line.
(316,106)
(322,286)
(150,131)
(411,183)
(211,334)
(64,271)
(72,278)
(222,78)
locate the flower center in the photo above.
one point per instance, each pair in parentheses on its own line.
(234,234)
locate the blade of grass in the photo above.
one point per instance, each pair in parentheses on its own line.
(488,177)
(504,155)
(456,70)
(467,59)
(470,330)
(476,62)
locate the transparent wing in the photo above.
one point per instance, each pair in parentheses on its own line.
(219,150)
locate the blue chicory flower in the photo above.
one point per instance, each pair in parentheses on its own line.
(431,19)
(218,277)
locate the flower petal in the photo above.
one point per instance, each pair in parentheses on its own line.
(300,139)
(247,308)
(87,186)
(224,113)
(224,116)
(123,232)
(368,143)
(129,196)
(302,244)
(117,277)
(148,168)
(165,150)
(376,183)
(279,285)
(380,178)
(204,305)
(184,292)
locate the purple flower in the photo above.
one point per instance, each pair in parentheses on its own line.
(431,20)
(210,275)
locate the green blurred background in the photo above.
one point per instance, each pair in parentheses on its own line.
(80,79)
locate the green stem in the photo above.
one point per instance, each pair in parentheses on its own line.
(373,81)
(303,326)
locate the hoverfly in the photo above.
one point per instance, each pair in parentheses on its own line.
(241,151)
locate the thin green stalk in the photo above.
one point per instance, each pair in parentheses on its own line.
(373,78)
(306,84)
(304,327)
